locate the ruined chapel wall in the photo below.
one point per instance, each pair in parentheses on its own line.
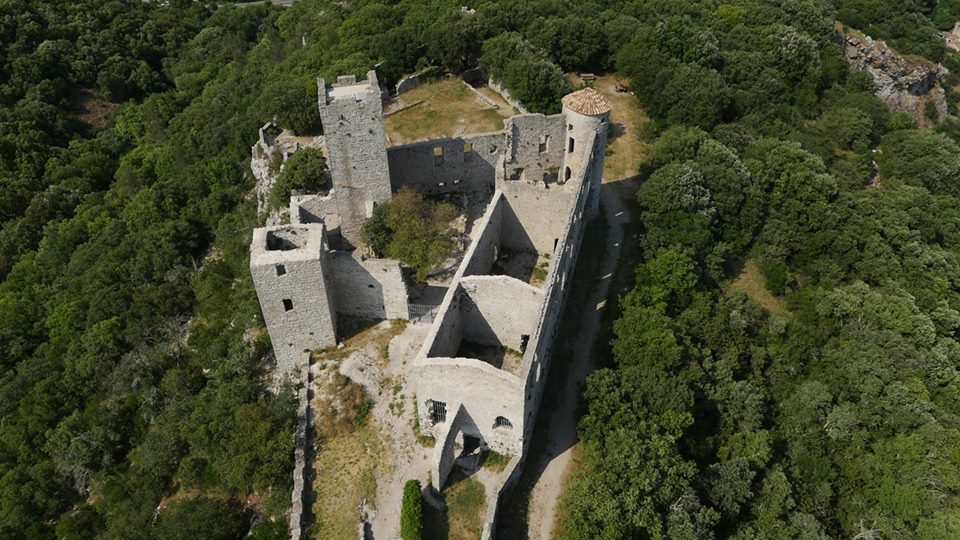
(491,393)
(457,170)
(535,145)
(368,288)
(499,310)
(443,452)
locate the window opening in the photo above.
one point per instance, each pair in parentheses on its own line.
(281,270)
(571,145)
(287,304)
(502,422)
(437,410)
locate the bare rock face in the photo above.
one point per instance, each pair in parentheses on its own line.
(904,84)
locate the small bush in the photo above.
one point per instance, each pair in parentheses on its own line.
(305,170)
(411,513)
(412,229)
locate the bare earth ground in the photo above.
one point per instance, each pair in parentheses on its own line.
(90,108)
(353,464)
(444,108)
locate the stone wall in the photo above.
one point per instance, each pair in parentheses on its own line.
(536,360)
(447,331)
(532,218)
(465,164)
(506,95)
(535,147)
(509,477)
(301,437)
(292,280)
(314,208)
(410,82)
(444,455)
(483,251)
(499,310)
(368,288)
(484,391)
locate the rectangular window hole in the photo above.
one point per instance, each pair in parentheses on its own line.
(281,270)
(287,304)
(437,411)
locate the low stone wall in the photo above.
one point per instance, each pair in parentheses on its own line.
(506,95)
(410,82)
(509,478)
(302,440)
(479,95)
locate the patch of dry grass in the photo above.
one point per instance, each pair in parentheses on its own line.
(448,109)
(348,459)
(751,282)
(466,502)
(625,150)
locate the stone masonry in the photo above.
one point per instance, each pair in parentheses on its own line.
(479,376)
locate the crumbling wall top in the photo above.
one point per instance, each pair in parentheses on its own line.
(287,243)
(347,87)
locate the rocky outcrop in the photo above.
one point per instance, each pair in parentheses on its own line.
(904,84)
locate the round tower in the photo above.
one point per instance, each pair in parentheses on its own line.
(587,115)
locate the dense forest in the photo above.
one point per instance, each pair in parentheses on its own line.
(134,397)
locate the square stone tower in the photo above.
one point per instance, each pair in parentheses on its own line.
(291,273)
(352,116)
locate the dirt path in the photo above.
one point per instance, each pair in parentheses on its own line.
(563,419)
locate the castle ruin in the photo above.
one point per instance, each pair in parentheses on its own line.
(479,376)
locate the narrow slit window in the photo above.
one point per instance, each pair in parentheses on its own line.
(570,145)
(287,304)
(567,173)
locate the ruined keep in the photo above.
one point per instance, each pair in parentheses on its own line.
(479,375)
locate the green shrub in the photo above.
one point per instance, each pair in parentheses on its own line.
(412,229)
(775,276)
(305,170)
(411,514)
